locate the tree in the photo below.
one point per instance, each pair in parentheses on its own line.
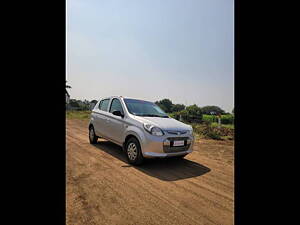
(192,113)
(212,109)
(74,103)
(178,107)
(94,101)
(195,113)
(165,104)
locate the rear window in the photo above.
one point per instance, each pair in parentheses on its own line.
(103,104)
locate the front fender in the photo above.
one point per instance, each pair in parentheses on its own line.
(137,132)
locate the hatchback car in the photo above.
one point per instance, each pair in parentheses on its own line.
(141,127)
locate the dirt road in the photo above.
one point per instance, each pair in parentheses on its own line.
(102,188)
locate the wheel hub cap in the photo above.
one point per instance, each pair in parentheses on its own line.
(132,151)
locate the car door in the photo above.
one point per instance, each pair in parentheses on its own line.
(116,125)
(101,119)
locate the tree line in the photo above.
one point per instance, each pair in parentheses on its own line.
(75,104)
(192,113)
(169,107)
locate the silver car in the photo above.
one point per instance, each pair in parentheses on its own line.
(141,128)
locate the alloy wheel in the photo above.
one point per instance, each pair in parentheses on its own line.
(132,151)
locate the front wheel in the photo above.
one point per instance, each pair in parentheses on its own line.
(133,152)
(92,136)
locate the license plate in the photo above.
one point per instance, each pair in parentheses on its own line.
(178,143)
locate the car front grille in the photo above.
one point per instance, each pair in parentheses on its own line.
(170,148)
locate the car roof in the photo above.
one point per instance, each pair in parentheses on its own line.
(119,96)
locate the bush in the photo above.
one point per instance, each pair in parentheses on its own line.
(209,118)
(175,115)
(213,135)
(209,130)
(225,119)
(192,114)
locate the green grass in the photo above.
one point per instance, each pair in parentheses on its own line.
(82,115)
(231,126)
(225,119)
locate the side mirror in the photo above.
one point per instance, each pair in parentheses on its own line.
(118,113)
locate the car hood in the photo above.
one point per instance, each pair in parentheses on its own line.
(164,123)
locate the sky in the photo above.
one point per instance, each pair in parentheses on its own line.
(152,49)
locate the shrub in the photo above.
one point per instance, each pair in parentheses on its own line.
(191,114)
(175,115)
(209,118)
(209,130)
(227,119)
(213,135)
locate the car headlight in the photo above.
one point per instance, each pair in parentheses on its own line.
(153,130)
(190,132)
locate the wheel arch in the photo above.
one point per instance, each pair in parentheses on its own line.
(91,125)
(131,135)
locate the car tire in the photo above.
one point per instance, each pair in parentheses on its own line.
(92,135)
(133,152)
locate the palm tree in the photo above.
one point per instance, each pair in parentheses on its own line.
(67,93)
(67,86)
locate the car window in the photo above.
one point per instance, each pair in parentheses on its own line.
(103,104)
(116,105)
(99,106)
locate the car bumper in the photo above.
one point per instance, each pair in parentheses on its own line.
(164,155)
(159,147)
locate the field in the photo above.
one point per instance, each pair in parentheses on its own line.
(102,188)
(82,115)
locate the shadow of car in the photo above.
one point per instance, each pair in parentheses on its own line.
(166,169)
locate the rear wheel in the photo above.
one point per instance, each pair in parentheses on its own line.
(92,136)
(133,152)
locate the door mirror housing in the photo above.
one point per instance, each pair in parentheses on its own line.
(118,113)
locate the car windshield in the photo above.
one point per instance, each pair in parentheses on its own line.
(144,108)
